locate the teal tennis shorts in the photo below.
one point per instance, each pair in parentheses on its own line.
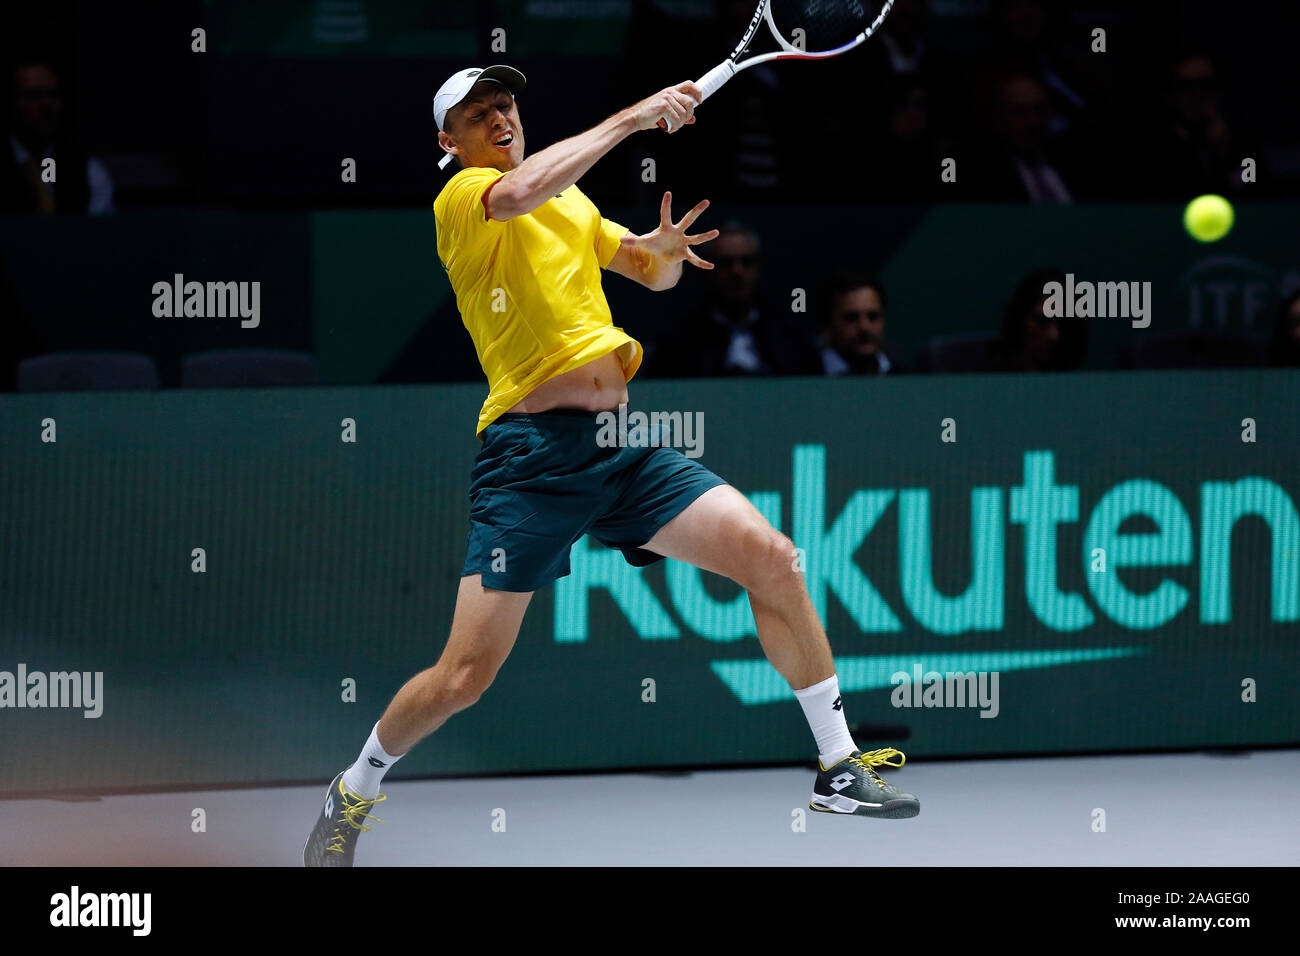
(542,481)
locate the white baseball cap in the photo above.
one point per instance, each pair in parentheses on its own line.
(458,86)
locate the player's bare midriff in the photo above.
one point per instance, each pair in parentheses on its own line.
(597,386)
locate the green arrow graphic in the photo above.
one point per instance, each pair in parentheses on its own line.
(757,681)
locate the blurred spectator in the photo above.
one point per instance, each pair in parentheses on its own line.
(1023,163)
(740,148)
(904,163)
(1284,351)
(853,327)
(1022,44)
(1032,342)
(877,105)
(1196,150)
(902,37)
(731,332)
(37,133)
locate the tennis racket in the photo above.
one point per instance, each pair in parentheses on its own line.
(829,28)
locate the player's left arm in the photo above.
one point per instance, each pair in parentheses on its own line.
(655,259)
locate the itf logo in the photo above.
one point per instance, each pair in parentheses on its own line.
(1232,292)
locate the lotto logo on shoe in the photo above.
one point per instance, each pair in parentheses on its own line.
(842,781)
(329,804)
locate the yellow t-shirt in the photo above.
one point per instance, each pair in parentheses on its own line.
(528,288)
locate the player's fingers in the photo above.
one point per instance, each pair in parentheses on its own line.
(694,214)
(665,209)
(674,114)
(695,260)
(702,237)
(666,110)
(684,101)
(692,90)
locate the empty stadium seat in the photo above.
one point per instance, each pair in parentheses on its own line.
(77,371)
(961,352)
(248,368)
(1190,349)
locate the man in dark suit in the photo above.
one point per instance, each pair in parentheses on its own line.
(1023,162)
(853,327)
(29,182)
(731,332)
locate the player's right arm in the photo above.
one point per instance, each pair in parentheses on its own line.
(556,168)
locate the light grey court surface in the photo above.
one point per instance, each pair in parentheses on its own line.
(1170,810)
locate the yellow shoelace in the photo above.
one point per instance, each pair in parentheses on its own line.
(879,758)
(354,811)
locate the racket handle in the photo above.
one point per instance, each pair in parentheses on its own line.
(712,81)
(709,84)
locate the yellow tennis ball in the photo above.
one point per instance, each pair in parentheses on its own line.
(1208,218)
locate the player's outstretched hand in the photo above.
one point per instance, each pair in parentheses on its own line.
(670,242)
(674,103)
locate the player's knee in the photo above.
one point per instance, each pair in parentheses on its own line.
(769,559)
(462,684)
(782,561)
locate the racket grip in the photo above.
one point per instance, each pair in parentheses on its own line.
(709,84)
(712,81)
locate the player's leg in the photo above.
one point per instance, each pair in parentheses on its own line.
(483,631)
(527,504)
(484,626)
(721,531)
(535,486)
(509,518)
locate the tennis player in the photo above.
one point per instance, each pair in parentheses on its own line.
(524,248)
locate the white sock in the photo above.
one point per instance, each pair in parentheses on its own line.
(825,712)
(363,777)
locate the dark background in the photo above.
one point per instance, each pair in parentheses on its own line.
(259,129)
(223,162)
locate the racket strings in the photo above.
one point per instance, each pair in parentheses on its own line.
(827,24)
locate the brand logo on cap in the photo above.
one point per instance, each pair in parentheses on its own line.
(473,72)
